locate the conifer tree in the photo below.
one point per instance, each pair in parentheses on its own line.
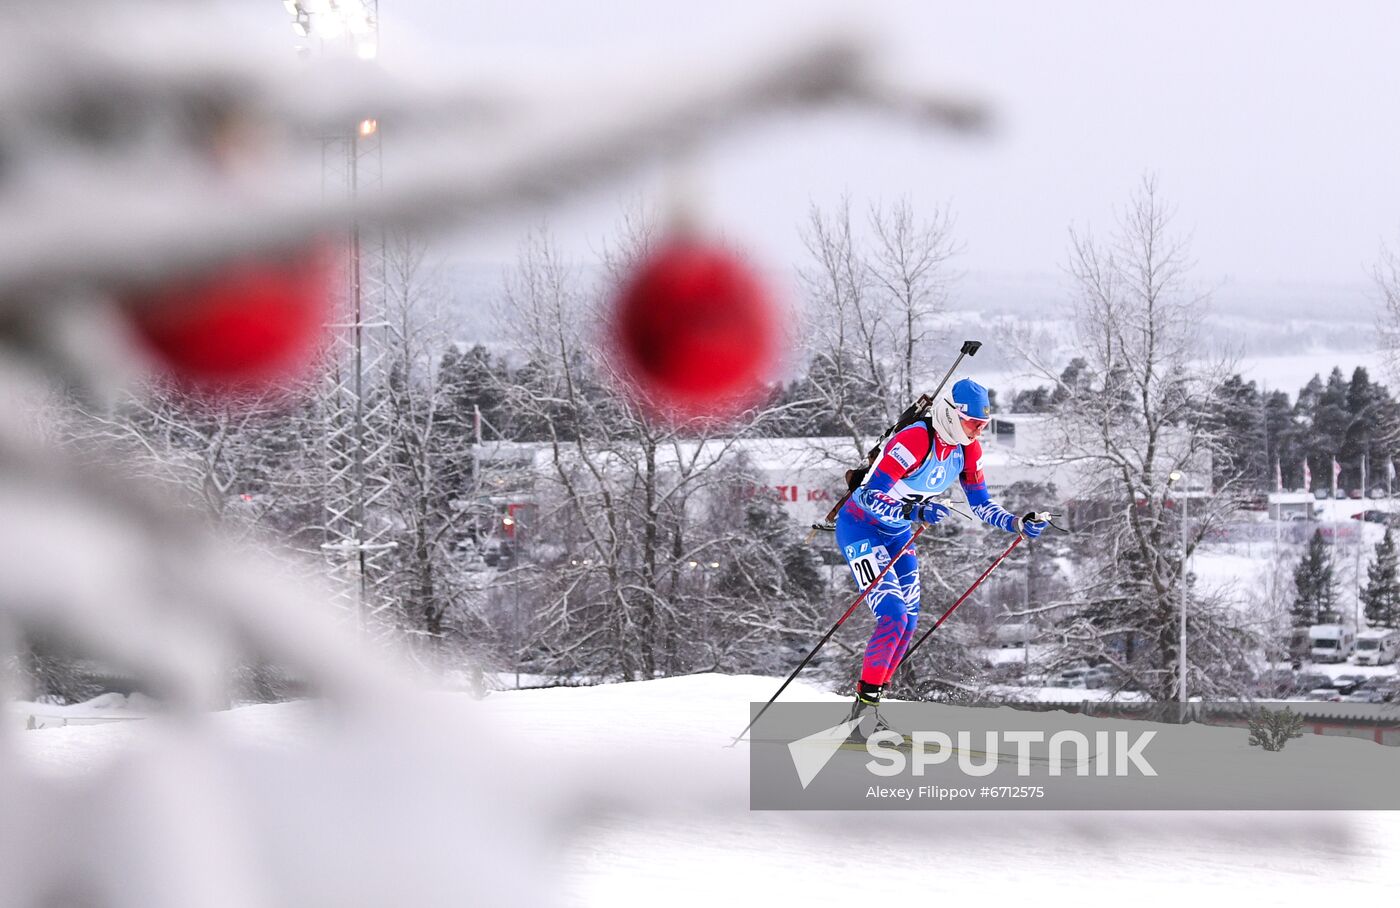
(1382,595)
(1238,414)
(1284,445)
(1315,585)
(1331,421)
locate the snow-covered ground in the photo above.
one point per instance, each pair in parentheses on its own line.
(701,845)
(109,707)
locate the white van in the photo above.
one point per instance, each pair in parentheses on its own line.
(1377,646)
(1330,642)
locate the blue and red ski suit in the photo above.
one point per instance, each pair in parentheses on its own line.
(914,466)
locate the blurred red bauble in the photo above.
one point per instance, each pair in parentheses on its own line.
(248,324)
(696,331)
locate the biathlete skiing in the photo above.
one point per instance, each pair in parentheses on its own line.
(933,444)
(918,463)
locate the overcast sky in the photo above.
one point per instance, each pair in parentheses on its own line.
(1272,127)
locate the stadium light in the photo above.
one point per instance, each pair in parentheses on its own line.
(332,20)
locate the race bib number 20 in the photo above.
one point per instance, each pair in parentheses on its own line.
(867,567)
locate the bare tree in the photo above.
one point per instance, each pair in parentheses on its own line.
(1386,274)
(845,371)
(872,304)
(871,309)
(645,520)
(428,450)
(1135,430)
(227,453)
(909,262)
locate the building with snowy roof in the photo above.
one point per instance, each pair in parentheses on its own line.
(807,475)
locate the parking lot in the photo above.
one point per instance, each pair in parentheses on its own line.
(1341,682)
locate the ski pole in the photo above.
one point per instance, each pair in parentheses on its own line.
(975,584)
(969,348)
(918,531)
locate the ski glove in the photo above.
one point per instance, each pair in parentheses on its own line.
(1031,525)
(880,504)
(925,511)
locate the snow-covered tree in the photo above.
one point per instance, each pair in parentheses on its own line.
(847,379)
(1314,584)
(1237,411)
(641,518)
(1381,598)
(1268,607)
(429,450)
(1386,275)
(910,271)
(871,310)
(1135,424)
(1281,437)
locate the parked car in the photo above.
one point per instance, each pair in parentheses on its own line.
(1331,642)
(1377,646)
(1387,686)
(1324,695)
(1376,493)
(1100,676)
(1348,683)
(1366,696)
(1311,681)
(1070,677)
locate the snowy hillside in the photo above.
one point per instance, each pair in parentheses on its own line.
(689,838)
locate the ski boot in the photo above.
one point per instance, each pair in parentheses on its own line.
(866,708)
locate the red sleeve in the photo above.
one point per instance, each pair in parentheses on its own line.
(972,464)
(902,454)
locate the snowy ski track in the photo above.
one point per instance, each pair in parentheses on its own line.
(681,832)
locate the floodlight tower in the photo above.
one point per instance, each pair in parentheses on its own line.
(353,406)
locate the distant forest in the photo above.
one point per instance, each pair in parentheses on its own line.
(1353,420)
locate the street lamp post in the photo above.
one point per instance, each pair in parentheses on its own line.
(1026,618)
(1179,477)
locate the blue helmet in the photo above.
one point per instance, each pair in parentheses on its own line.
(966,400)
(971,399)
